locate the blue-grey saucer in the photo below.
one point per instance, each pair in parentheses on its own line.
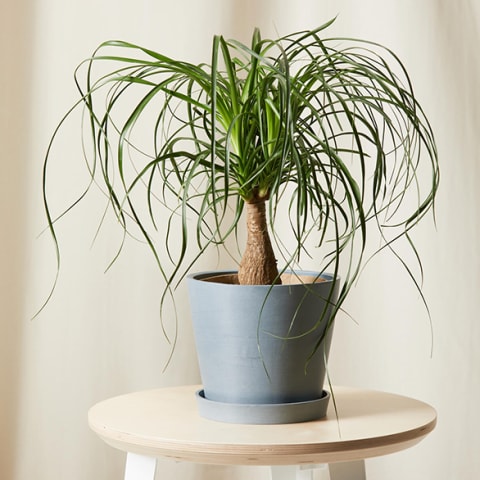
(263,414)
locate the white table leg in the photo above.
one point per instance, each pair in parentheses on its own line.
(348,470)
(140,467)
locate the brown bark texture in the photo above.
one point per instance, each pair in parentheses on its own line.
(258,265)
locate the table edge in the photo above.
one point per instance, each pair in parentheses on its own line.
(265,454)
(268,454)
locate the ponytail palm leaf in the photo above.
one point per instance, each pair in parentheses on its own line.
(324,134)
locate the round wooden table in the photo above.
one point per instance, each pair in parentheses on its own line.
(165,423)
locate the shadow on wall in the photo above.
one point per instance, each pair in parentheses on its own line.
(14,51)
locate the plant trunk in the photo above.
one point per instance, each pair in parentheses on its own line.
(258,265)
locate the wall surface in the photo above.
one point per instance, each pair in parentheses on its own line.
(15,42)
(100,335)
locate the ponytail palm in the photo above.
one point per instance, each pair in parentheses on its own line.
(323,134)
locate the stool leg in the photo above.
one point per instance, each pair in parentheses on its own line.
(348,470)
(140,467)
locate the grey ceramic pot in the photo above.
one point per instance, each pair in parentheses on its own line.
(254,343)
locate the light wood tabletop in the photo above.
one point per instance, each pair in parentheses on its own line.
(165,422)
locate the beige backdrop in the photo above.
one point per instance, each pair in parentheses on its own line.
(100,336)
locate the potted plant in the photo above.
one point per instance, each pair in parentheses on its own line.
(318,144)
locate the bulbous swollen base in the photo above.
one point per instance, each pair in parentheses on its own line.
(258,265)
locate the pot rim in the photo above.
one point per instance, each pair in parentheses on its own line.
(209,275)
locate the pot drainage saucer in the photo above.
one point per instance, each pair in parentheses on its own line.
(263,414)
